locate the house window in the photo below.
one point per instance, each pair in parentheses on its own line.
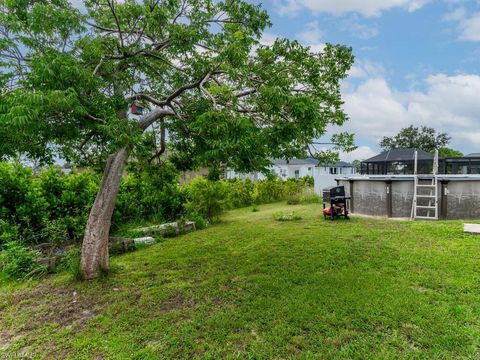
(297,174)
(333,171)
(340,170)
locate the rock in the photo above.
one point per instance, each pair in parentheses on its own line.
(169,229)
(148,240)
(119,245)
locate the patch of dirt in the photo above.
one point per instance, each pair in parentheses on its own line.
(177,301)
(65,306)
(6,340)
(420,289)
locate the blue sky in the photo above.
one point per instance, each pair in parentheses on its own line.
(417,62)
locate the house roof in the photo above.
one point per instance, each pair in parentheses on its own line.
(472,155)
(400,155)
(308,161)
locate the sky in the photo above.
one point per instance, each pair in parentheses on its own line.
(416,62)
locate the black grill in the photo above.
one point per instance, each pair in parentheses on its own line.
(335,196)
(333,193)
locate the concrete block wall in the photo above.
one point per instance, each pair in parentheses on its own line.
(393,198)
(463,200)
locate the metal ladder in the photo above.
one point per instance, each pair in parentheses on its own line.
(425,195)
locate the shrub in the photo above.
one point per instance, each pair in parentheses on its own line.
(280,216)
(207,198)
(149,192)
(18,261)
(70,262)
(270,190)
(293,199)
(21,201)
(241,193)
(200,222)
(308,196)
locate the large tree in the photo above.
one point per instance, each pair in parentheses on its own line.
(197,68)
(424,138)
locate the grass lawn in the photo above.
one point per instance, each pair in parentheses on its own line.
(253,287)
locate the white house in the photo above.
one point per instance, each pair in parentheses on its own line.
(324,175)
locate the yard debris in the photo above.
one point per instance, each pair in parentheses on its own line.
(147,240)
(120,245)
(169,229)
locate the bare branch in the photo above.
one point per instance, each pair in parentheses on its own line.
(98,67)
(146,97)
(206,92)
(153,116)
(91,117)
(245,93)
(162,142)
(110,5)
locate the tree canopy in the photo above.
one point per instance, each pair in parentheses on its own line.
(197,67)
(424,138)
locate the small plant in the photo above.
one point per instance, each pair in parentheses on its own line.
(200,222)
(170,231)
(70,262)
(255,209)
(309,197)
(280,216)
(293,199)
(18,261)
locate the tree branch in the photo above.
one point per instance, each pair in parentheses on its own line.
(110,5)
(153,116)
(162,142)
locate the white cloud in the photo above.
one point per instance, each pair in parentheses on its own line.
(361,153)
(363,69)
(449,104)
(268,38)
(456,14)
(367,8)
(311,36)
(360,30)
(468,24)
(470,28)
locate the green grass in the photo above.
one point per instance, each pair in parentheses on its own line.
(253,287)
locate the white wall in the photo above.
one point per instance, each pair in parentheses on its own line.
(322,175)
(323,178)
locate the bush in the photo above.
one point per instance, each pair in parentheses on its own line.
(18,261)
(200,222)
(241,193)
(22,202)
(207,198)
(270,190)
(308,196)
(149,192)
(293,199)
(70,262)
(280,216)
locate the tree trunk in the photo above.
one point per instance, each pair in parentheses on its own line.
(94,257)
